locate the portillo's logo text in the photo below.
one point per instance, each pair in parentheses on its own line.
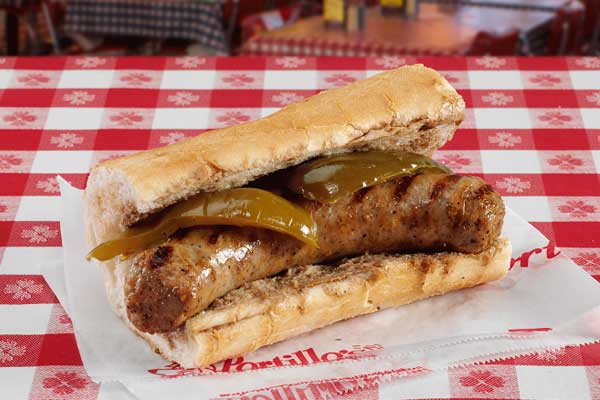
(523,260)
(301,357)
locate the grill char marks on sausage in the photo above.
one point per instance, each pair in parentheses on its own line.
(170,283)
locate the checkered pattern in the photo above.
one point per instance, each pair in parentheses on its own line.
(517,4)
(532,129)
(300,46)
(201,22)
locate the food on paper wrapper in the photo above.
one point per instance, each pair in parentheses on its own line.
(328,209)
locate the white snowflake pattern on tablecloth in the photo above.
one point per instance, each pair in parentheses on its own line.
(19,118)
(34,79)
(182,98)
(285,98)
(546,80)
(190,61)
(22,289)
(513,184)
(66,140)
(238,80)
(390,61)
(9,161)
(290,62)
(594,98)
(78,97)
(455,161)
(505,139)
(588,62)
(136,79)
(39,234)
(497,99)
(9,349)
(126,118)
(340,79)
(233,118)
(490,62)
(90,62)
(172,137)
(49,185)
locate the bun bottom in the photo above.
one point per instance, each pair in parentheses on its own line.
(310,297)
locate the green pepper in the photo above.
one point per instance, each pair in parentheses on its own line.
(328,179)
(239,207)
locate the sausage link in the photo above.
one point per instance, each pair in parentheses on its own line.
(170,283)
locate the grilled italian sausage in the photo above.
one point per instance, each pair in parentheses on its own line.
(170,283)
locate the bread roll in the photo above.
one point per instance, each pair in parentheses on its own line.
(412,108)
(310,297)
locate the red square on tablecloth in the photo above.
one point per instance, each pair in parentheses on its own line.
(464,139)
(22,139)
(27,97)
(122,139)
(560,139)
(550,98)
(126,98)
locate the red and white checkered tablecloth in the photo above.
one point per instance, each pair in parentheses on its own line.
(307,47)
(532,129)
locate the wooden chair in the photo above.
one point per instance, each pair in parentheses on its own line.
(494,43)
(26,12)
(566,30)
(591,26)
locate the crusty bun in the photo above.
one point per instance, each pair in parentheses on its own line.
(412,108)
(310,297)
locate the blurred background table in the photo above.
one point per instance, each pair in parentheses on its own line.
(197,21)
(439,29)
(546,5)
(208,27)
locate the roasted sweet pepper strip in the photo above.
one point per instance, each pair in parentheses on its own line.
(328,179)
(239,207)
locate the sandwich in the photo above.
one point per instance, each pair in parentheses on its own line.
(328,209)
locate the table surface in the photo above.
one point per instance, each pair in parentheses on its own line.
(532,129)
(529,4)
(443,28)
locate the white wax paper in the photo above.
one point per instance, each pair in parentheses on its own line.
(540,304)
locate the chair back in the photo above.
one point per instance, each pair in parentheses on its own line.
(505,43)
(591,24)
(565,34)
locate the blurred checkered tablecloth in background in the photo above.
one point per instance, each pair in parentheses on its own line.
(200,22)
(532,129)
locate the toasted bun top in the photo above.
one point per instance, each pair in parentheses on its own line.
(412,108)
